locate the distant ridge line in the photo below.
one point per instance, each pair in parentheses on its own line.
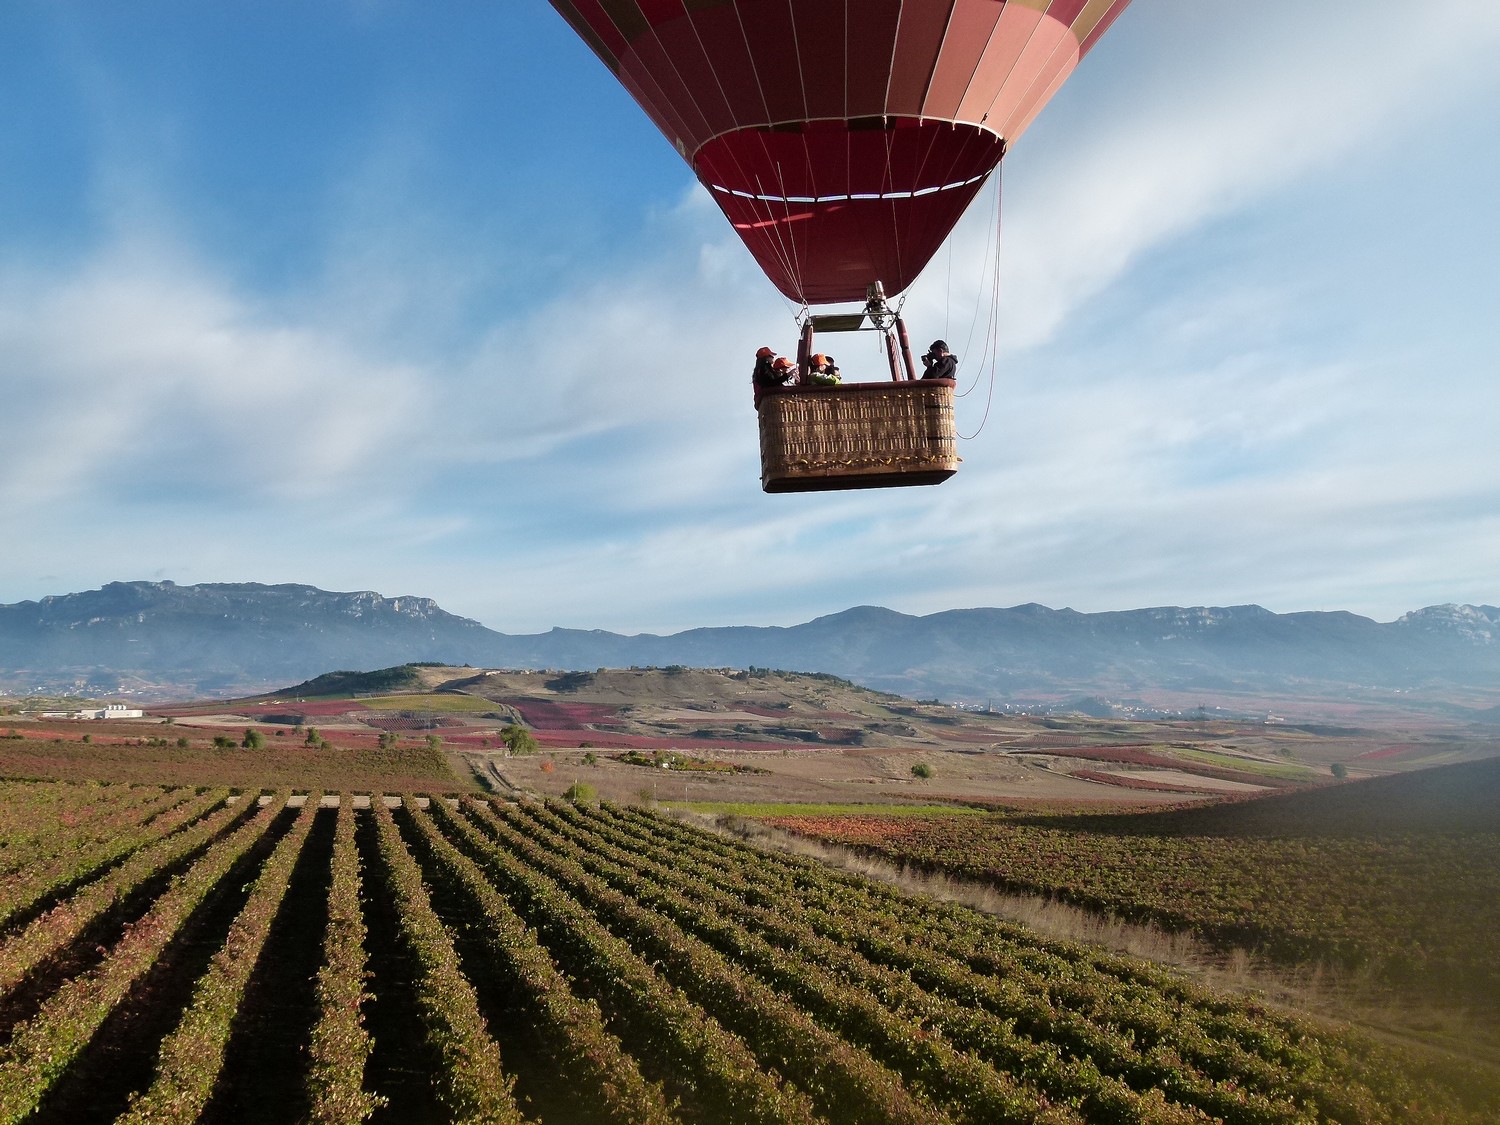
(157,639)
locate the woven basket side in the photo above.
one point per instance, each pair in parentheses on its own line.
(897,427)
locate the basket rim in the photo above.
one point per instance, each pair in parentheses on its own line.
(883,386)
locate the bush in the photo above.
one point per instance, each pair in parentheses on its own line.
(922,770)
(581,793)
(253,739)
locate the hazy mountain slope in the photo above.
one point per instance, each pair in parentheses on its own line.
(217,638)
(222,636)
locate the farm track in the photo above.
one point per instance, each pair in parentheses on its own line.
(571,965)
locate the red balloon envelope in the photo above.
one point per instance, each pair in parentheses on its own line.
(842,138)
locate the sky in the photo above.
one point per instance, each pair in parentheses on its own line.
(386,295)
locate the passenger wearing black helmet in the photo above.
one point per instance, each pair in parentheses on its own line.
(939,362)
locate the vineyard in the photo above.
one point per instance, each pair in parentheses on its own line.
(1400,875)
(179,954)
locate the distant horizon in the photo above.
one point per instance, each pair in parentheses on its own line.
(748,624)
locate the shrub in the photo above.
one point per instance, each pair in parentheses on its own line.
(921,769)
(581,793)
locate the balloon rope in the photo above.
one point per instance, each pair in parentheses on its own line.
(988,269)
(992,342)
(948,296)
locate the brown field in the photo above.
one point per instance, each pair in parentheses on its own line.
(139,752)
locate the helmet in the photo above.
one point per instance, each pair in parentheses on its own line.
(783,364)
(820,359)
(938,346)
(764,353)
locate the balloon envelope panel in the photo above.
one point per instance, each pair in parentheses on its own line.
(842,140)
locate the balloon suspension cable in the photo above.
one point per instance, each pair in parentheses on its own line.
(987,278)
(991,353)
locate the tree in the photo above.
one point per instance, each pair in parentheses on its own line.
(434,742)
(922,770)
(1339,770)
(387,740)
(313,737)
(519,740)
(253,739)
(581,793)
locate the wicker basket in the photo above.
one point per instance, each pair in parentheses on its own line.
(858,435)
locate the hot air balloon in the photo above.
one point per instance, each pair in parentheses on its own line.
(843,141)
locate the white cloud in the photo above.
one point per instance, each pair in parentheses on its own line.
(143,355)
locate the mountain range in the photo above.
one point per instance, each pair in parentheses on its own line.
(165,641)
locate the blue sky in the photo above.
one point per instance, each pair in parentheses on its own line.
(368,297)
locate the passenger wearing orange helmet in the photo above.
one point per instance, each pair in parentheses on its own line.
(771,371)
(822,372)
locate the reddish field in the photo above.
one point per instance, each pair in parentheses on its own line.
(543,714)
(608,740)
